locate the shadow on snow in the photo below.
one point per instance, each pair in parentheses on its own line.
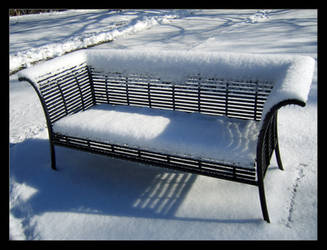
(95,184)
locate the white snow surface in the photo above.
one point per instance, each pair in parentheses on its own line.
(198,136)
(53,66)
(96,197)
(108,26)
(177,66)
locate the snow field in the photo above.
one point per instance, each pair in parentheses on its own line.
(26,57)
(95,197)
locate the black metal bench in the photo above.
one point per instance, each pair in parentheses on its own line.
(76,83)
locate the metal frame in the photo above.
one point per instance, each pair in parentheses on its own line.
(81,87)
(267,144)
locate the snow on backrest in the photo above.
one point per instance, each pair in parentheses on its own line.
(236,85)
(53,67)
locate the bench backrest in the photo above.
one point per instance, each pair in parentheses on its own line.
(205,95)
(234,85)
(81,87)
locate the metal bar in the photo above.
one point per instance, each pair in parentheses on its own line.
(127,99)
(199,95)
(107,91)
(226,99)
(63,98)
(256,102)
(80,91)
(48,121)
(170,161)
(149,94)
(277,152)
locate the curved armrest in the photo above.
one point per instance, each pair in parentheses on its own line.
(61,85)
(268,136)
(268,115)
(293,85)
(53,66)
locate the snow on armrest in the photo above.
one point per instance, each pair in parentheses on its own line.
(53,66)
(292,84)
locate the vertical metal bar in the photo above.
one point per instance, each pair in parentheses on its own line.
(199,89)
(256,101)
(234,172)
(149,93)
(267,147)
(89,71)
(127,97)
(106,86)
(173,88)
(80,91)
(263,201)
(63,97)
(261,168)
(226,98)
(277,152)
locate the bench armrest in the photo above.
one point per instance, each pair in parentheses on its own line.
(52,67)
(62,84)
(292,86)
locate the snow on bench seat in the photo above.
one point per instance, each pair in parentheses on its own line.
(222,139)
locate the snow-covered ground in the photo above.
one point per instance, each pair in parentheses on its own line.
(95,197)
(38,37)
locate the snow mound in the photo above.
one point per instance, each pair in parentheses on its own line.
(83,40)
(259,16)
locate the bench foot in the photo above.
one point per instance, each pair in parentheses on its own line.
(263,202)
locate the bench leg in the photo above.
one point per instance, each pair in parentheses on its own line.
(277,153)
(279,160)
(263,201)
(53,156)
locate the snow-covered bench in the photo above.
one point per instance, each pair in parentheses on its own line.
(206,113)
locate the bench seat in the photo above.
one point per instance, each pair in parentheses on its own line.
(214,138)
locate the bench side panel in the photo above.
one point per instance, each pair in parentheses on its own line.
(67,92)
